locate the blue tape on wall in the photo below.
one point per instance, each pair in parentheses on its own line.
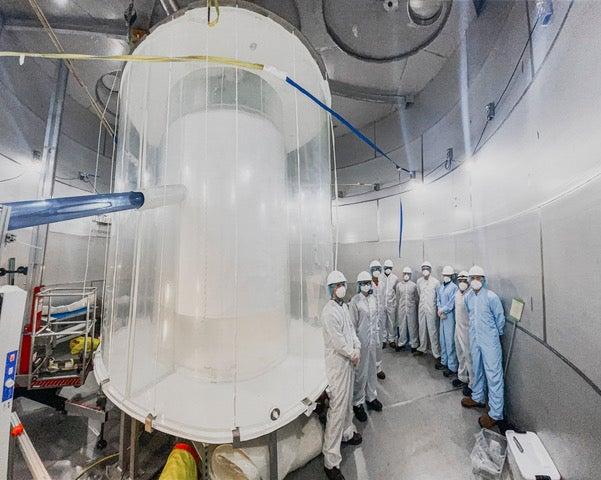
(400,225)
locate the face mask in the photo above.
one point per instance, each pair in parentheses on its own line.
(426,273)
(365,288)
(476,284)
(463,286)
(341,292)
(388,271)
(376,273)
(446,279)
(406,277)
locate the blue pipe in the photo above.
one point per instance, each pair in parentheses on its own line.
(30,213)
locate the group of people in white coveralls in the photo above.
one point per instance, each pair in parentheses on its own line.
(459,321)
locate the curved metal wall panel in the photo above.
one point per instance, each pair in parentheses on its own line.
(545,395)
(529,211)
(572,261)
(510,252)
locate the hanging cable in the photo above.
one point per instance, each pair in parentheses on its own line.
(515,69)
(215,4)
(94,185)
(54,39)
(337,222)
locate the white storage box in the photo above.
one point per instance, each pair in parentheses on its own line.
(528,458)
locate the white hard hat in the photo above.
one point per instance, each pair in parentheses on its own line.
(335,277)
(388,263)
(476,271)
(448,270)
(407,270)
(375,263)
(364,277)
(463,274)
(427,264)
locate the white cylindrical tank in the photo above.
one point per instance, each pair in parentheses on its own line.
(210,324)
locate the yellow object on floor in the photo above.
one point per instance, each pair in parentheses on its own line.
(77,344)
(182,463)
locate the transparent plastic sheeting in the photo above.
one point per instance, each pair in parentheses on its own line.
(211,320)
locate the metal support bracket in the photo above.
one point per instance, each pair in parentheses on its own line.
(273,455)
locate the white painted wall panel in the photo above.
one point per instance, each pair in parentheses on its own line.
(357,223)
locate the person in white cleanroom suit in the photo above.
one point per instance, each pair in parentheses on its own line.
(487,325)
(462,337)
(391,302)
(427,318)
(364,315)
(407,298)
(445,302)
(379,288)
(342,354)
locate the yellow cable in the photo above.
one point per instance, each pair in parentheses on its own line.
(135,58)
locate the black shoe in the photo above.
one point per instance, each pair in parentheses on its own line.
(413,350)
(381,375)
(467,391)
(458,383)
(384,345)
(333,473)
(398,348)
(449,373)
(360,413)
(356,440)
(374,405)
(439,366)
(417,353)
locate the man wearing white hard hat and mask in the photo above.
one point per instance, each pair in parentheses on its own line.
(379,288)
(342,354)
(487,324)
(445,302)
(462,336)
(427,286)
(364,315)
(407,298)
(391,323)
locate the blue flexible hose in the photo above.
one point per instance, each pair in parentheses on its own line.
(359,135)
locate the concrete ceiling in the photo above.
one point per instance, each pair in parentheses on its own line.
(406,56)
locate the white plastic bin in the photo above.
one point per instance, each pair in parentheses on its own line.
(488,455)
(528,458)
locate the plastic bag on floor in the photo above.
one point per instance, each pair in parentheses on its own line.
(488,455)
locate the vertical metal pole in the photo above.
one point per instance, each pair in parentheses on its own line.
(273,455)
(39,236)
(124,433)
(12,265)
(133,448)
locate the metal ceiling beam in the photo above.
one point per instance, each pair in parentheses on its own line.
(368,94)
(113,29)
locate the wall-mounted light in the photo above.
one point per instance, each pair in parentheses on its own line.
(414,183)
(491,110)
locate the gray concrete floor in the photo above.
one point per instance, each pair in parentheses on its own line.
(423,433)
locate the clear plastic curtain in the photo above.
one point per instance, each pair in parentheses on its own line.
(211,322)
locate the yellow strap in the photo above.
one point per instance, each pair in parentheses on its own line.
(136,58)
(213,3)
